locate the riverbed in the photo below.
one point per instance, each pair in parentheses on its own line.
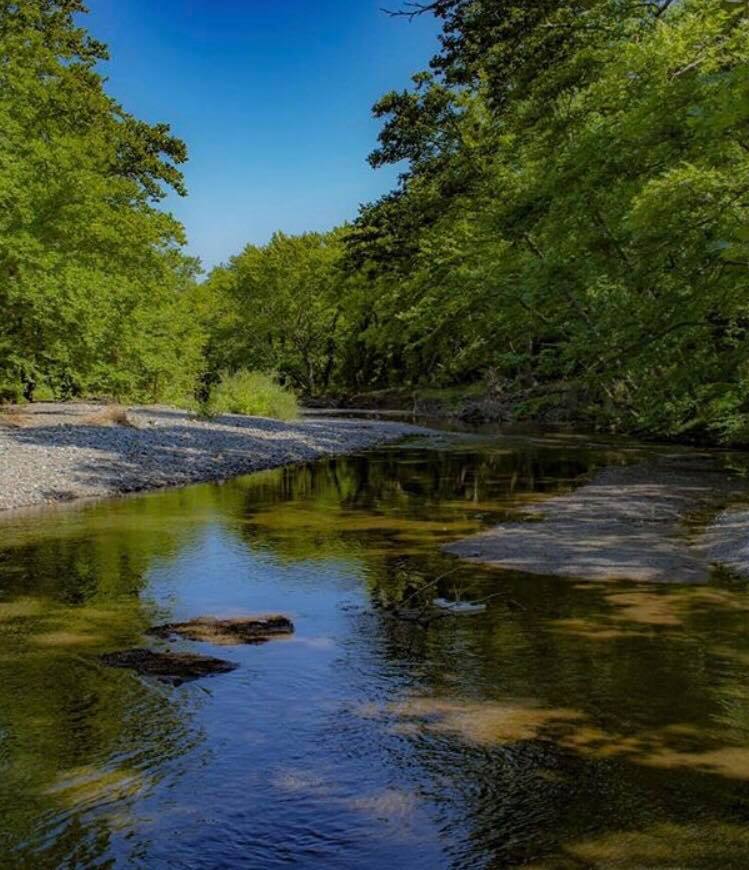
(53,452)
(571,724)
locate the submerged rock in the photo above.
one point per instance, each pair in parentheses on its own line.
(174,667)
(241,629)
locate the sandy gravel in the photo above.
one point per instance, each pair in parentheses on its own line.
(58,452)
(637,522)
(726,540)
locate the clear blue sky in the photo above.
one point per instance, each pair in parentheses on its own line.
(273,98)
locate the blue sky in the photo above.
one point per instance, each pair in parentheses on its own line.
(273,98)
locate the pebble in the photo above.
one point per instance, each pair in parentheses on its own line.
(59,455)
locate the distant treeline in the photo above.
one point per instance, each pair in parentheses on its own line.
(572,215)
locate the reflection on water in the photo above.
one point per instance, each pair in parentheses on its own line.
(568,726)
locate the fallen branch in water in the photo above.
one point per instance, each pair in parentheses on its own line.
(429,612)
(419,615)
(430,584)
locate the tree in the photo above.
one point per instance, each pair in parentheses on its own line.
(92,281)
(281,308)
(573,207)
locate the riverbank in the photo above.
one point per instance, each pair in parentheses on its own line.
(590,704)
(664,521)
(474,404)
(53,452)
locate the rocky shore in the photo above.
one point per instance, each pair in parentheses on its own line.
(665,521)
(51,452)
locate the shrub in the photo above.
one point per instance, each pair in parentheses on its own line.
(252,393)
(11,393)
(44,393)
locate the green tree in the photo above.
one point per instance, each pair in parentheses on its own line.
(93,286)
(574,208)
(281,308)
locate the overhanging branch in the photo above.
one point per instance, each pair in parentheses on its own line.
(412,10)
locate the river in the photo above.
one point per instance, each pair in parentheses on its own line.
(570,725)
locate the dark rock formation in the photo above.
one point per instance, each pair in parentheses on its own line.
(173,667)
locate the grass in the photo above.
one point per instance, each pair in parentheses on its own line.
(112,415)
(252,393)
(13,416)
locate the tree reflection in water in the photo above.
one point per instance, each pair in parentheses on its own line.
(592,725)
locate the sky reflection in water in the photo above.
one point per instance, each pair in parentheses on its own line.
(571,725)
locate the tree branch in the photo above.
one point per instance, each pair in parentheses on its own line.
(643,342)
(412,10)
(662,8)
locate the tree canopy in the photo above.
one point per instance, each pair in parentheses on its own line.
(574,206)
(571,216)
(94,284)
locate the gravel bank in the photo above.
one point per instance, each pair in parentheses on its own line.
(726,540)
(628,523)
(58,452)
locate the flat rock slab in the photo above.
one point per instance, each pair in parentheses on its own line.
(174,667)
(625,524)
(242,629)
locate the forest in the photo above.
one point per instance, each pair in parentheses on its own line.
(570,226)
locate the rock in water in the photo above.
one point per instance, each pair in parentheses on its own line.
(458,607)
(174,667)
(241,629)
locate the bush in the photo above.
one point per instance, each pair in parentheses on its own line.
(11,393)
(252,393)
(44,393)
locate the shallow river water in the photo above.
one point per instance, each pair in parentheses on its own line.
(570,725)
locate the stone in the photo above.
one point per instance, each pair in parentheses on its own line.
(227,632)
(174,667)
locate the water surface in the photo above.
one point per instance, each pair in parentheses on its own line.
(571,725)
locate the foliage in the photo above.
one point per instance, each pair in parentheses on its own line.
(253,393)
(280,308)
(572,216)
(574,208)
(93,285)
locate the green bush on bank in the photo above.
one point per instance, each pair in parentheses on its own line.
(11,392)
(252,393)
(44,393)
